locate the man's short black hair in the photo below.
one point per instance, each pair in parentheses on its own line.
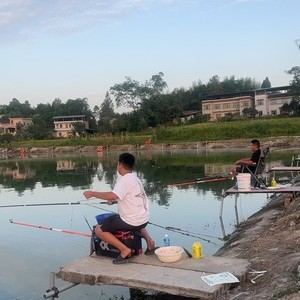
(127,160)
(255,142)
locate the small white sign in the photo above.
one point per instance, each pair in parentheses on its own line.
(225,277)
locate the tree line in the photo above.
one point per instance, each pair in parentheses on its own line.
(150,104)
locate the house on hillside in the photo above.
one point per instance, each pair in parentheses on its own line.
(12,126)
(266,101)
(269,101)
(65,126)
(186,116)
(217,108)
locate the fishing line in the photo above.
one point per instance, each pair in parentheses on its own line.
(87,222)
(179,229)
(48,204)
(71,217)
(183,232)
(169,228)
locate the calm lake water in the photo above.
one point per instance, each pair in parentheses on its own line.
(29,255)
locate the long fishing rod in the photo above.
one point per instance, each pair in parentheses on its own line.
(49,228)
(189,232)
(49,204)
(202,180)
(41,204)
(184,232)
(169,228)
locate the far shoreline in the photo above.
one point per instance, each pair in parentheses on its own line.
(276,144)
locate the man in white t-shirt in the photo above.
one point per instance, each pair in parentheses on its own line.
(133,209)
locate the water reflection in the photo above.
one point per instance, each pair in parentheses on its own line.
(193,208)
(156,171)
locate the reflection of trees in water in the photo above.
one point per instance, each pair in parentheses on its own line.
(158,193)
(156,171)
(44,171)
(108,171)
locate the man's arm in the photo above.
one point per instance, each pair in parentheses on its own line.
(245,161)
(109,196)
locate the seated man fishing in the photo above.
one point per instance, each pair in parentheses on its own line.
(251,162)
(133,209)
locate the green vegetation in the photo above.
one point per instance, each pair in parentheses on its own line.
(230,130)
(81,141)
(260,128)
(154,110)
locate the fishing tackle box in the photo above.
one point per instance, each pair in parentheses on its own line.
(132,239)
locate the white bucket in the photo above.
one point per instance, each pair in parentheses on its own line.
(243,181)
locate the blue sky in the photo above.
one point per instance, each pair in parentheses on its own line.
(72,49)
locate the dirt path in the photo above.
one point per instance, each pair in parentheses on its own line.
(270,239)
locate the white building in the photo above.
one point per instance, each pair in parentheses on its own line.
(266,101)
(63,125)
(269,101)
(11,127)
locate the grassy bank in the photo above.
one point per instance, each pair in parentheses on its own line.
(82,141)
(230,130)
(246,129)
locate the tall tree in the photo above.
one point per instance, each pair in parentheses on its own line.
(96,112)
(131,93)
(295,83)
(107,107)
(78,106)
(248,84)
(58,108)
(266,83)
(17,109)
(157,84)
(214,85)
(43,119)
(295,89)
(128,94)
(106,114)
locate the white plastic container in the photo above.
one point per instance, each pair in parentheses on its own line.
(169,254)
(243,181)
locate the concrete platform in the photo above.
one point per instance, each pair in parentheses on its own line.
(284,169)
(147,272)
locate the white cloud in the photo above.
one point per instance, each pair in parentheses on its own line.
(27,20)
(61,15)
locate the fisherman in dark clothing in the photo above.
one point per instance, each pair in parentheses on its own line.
(250,162)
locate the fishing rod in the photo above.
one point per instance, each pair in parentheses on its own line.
(184,232)
(49,228)
(170,228)
(203,180)
(49,204)
(189,232)
(41,204)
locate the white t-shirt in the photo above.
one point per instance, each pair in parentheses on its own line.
(133,204)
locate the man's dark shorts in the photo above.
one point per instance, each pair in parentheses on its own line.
(114,223)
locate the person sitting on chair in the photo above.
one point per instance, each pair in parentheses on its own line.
(250,162)
(133,208)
